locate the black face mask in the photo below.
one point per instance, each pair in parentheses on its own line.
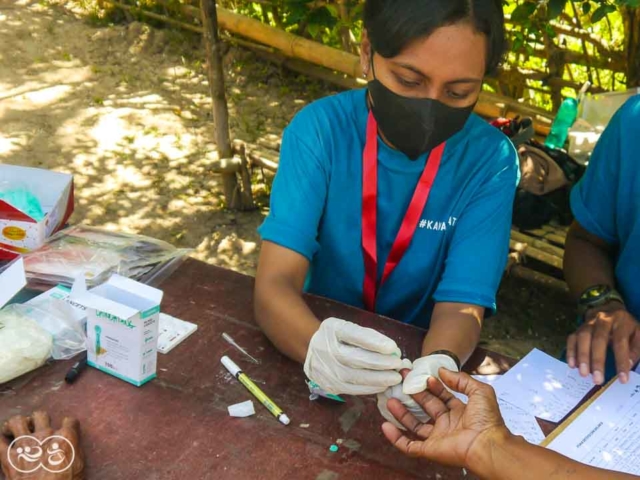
(415,125)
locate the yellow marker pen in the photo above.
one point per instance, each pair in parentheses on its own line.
(253,388)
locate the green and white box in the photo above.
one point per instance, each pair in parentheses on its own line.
(122,329)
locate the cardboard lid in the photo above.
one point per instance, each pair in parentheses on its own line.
(119,296)
(137,288)
(97,302)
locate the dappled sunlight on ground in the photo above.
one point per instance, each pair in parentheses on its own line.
(126,110)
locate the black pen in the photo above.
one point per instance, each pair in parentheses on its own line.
(77,368)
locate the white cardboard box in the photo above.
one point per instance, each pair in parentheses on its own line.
(122,329)
(20,233)
(12,280)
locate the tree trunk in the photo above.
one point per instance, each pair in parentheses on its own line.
(220,112)
(345,33)
(631,18)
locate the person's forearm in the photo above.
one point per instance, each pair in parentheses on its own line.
(456,331)
(513,458)
(586,264)
(285,318)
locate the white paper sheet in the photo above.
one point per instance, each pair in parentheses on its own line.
(607,433)
(543,386)
(518,421)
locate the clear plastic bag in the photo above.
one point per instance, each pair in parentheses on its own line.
(24,345)
(96,254)
(57,318)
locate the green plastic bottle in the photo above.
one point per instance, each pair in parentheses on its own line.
(564,120)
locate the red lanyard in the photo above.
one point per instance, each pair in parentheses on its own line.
(370,207)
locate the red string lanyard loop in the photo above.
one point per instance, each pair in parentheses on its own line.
(370,212)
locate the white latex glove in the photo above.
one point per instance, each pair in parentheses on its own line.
(407,401)
(426,367)
(345,358)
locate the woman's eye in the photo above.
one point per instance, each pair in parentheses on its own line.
(457,95)
(407,83)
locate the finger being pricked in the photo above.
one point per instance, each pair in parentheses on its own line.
(430,403)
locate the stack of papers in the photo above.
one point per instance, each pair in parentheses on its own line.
(544,386)
(606,434)
(518,421)
(537,386)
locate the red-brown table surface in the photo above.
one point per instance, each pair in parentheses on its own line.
(177,426)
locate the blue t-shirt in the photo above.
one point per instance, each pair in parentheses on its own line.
(459,250)
(606,202)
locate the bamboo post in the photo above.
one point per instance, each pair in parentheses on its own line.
(345,31)
(220,111)
(291,45)
(256,156)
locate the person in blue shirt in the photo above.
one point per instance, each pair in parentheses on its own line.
(354,218)
(602,258)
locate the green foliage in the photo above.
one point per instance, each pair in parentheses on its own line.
(535,10)
(538,31)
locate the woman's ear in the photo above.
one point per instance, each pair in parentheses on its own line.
(365,54)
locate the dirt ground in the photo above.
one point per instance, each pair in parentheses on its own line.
(126,110)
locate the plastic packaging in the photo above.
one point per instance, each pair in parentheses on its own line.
(565,118)
(595,113)
(24,345)
(19,195)
(96,254)
(58,318)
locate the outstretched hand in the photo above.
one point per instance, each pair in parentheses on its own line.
(460,433)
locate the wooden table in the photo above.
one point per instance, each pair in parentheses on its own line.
(177,426)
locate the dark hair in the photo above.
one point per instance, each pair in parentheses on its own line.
(392,24)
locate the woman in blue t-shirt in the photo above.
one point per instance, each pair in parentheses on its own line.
(354,218)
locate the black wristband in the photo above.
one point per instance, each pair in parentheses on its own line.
(450,354)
